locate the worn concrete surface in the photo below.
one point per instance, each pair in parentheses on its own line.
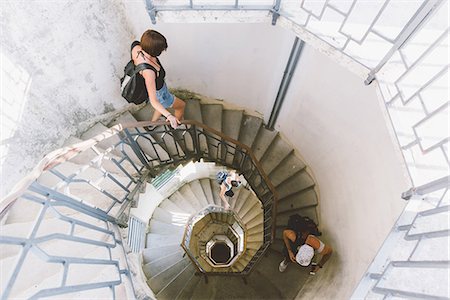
(341,132)
(60,66)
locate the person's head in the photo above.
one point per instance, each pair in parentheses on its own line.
(153,42)
(304,255)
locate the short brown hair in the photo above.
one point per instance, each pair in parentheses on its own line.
(153,42)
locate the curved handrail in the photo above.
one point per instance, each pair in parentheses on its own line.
(59,156)
(64,154)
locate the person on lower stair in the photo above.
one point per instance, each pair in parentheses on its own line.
(227,181)
(300,248)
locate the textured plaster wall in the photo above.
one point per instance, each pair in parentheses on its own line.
(60,65)
(337,124)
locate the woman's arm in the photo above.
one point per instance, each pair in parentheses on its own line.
(150,84)
(325,253)
(289,235)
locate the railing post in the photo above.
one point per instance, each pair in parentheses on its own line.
(430,187)
(136,149)
(413,25)
(276,11)
(195,140)
(151,10)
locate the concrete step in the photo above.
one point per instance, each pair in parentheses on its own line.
(219,288)
(171,207)
(165,228)
(187,291)
(252,212)
(153,268)
(288,283)
(162,215)
(257,221)
(177,284)
(294,184)
(145,113)
(193,111)
(255,230)
(159,281)
(103,160)
(250,126)
(212,117)
(197,189)
(215,188)
(51,224)
(112,141)
(153,254)
(206,186)
(148,142)
(243,195)
(257,236)
(90,190)
(235,198)
(231,125)
(36,274)
(310,212)
(297,201)
(167,140)
(190,197)
(247,206)
(263,141)
(278,150)
(124,118)
(287,168)
(183,203)
(254,245)
(155,240)
(277,246)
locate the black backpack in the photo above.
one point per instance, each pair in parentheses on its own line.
(133,84)
(298,223)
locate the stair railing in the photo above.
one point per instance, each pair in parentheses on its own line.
(60,192)
(49,193)
(164,145)
(311,21)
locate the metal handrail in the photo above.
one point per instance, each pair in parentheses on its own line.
(414,23)
(130,136)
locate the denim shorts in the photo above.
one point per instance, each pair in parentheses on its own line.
(165,97)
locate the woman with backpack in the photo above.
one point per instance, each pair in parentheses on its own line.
(146,52)
(227,181)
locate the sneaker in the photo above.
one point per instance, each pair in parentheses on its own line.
(311,272)
(283,265)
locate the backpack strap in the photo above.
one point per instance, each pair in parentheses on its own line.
(144,66)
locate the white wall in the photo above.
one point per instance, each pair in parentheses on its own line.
(60,65)
(241,63)
(337,124)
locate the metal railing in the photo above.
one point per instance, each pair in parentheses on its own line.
(216,209)
(73,202)
(363,31)
(76,198)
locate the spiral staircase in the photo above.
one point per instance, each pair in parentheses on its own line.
(78,194)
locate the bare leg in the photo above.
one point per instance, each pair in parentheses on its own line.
(156,115)
(178,105)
